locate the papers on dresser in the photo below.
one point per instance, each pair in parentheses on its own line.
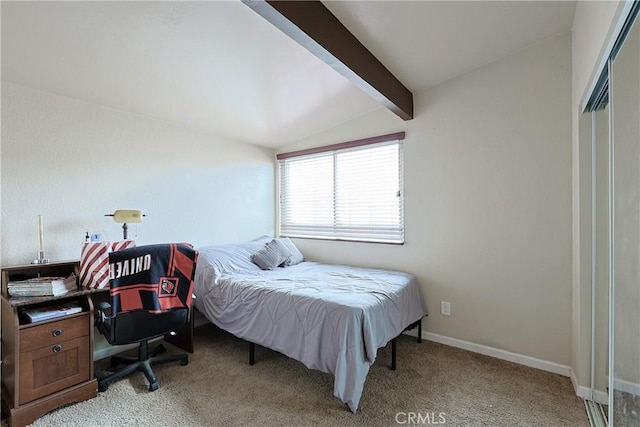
(51,312)
(42,286)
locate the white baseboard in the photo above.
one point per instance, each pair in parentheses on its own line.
(600,397)
(581,391)
(626,386)
(585,392)
(521,359)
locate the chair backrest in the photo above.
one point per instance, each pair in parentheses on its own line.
(151,290)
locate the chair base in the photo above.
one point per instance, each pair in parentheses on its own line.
(143,363)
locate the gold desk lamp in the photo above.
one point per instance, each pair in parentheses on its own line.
(125,216)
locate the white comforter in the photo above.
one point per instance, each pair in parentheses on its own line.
(331,318)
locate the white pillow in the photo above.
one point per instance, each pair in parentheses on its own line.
(296,256)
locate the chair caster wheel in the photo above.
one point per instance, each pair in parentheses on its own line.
(153,386)
(184,362)
(102,388)
(160,349)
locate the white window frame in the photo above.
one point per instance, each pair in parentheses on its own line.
(330,227)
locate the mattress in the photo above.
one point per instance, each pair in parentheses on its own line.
(332,318)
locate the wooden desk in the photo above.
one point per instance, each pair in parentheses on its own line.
(49,364)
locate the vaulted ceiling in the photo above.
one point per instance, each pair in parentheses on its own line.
(218,67)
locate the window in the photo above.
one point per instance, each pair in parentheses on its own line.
(348,191)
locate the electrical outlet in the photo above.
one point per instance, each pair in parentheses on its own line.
(445,308)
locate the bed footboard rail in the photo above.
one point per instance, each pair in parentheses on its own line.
(394,347)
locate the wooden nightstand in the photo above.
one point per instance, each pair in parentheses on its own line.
(50,363)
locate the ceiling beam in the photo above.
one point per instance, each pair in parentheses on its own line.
(313,26)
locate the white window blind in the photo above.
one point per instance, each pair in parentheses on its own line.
(350,191)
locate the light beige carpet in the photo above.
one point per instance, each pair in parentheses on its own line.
(434,383)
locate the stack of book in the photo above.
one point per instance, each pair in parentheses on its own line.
(51,312)
(42,286)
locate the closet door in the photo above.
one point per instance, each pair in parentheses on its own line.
(624,379)
(600,261)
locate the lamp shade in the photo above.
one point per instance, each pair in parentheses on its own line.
(127,215)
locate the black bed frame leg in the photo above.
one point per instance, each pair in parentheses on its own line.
(393,354)
(394,343)
(252,353)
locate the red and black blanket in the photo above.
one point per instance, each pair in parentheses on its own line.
(154,278)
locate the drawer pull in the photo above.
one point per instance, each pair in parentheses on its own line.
(57,348)
(57,332)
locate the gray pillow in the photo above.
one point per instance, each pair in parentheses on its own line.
(271,256)
(296,256)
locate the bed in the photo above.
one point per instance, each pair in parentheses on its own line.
(332,318)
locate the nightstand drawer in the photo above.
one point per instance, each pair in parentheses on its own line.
(51,368)
(47,334)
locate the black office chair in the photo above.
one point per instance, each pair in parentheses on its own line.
(151,289)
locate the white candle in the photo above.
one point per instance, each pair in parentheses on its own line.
(40,234)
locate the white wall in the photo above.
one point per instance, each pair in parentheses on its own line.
(488,202)
(73,162)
